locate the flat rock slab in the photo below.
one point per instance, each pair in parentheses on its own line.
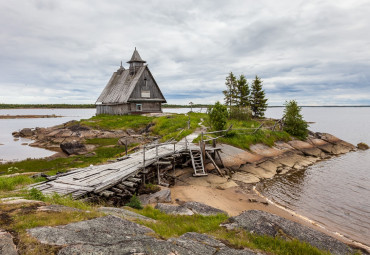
(113,235)
(17,200)
(7,246)
(100,231)
(264,223)
(265,151)
(189,208)
(126,214)
(245,177)
(57,208)
(173,209)
(162,196)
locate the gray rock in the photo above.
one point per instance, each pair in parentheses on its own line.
(57,208)
(161,196)
(26,132)
(173,209)
(203,209)
(228,251)
(129,140)
(113,235)
(126,214)
(134,247)
(106,230)
(73,148)
(189,208)
(264,223)
(7,246)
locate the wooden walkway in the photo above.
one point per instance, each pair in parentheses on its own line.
(96,179)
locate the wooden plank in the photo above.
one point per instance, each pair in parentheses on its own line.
(214,163)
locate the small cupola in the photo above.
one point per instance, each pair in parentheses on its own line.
(136,62)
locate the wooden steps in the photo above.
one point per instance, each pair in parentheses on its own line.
(197,160)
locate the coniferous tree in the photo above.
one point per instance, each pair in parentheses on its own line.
(243,92)
(294,123)
(218,116)
(231,88)
(258,101)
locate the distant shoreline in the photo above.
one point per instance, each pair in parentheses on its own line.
(92,106)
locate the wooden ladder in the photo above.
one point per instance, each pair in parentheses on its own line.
(197,160)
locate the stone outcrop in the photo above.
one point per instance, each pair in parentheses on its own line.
(113,235)
(7,246)
(162,196)
(263,162)
(263,223)
(123,213)
(362,146)
(189,208)
(73,148)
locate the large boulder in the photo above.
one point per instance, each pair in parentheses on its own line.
(128,140)
(189,208)
(124,213)
(162,196)
(7,246)
(264,223)
(73,148)
(113,235)
(26,132)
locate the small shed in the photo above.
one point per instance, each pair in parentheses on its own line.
(131,91)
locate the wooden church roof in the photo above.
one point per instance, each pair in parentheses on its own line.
(121,86)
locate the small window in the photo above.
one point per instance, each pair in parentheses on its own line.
(139,107)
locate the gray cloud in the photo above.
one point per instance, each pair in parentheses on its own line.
(65,52)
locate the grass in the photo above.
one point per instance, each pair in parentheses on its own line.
(62,164)
(175,126)
(175,225)
(12,183)
(168,226)
(17,218)
(245,138)
(124,122)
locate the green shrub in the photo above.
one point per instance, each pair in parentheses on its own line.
(135,202)
(293,120)
(218,116)
(35,194)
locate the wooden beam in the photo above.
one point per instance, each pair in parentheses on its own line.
(214,163)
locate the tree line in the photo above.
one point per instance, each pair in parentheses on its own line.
(239,93)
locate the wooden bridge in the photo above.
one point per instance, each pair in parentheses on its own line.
(102,179)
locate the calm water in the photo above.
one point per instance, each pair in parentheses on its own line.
(11,150)
(336,192)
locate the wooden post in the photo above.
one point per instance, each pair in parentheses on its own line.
(189,123)
(144,159)
(126,146)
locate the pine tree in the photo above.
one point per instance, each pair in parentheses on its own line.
(230,92)
(257,99)
(243,92)
(294,123)
(218,116)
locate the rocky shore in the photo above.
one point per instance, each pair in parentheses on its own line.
(70,137)
(121,231)
(263,162)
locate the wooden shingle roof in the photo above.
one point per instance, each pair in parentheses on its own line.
(119,87)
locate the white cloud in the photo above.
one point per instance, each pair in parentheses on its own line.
(65,52)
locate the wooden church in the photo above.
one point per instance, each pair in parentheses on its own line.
(131,91)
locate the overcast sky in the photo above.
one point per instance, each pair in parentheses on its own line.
(317,52)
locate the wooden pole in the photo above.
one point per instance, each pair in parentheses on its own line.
(126,147)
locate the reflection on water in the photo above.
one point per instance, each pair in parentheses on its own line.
(335,193)
(12,150)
